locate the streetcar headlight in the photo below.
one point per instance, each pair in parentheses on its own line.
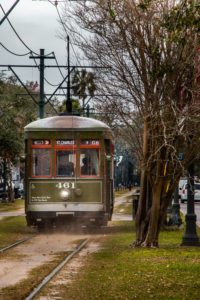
(65,194)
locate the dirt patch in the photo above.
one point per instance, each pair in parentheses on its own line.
(18,262)
(68,272)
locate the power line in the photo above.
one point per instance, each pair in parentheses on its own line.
(31,51)
(68,103)
(59,70)
(16,54)
(18,34)
(8,12)
(42,57)
(58,66)
(51,84)
(64,27)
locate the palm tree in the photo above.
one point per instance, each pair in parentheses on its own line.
(83,85)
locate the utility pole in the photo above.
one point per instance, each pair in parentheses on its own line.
(42,96)
(42,57)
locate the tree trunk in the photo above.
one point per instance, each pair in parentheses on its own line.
(151,238)
(11,197)
(140,221)
(142,215)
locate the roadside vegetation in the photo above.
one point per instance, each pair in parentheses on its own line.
(151,88)
(13,229)
(10,206)
(120,192)
(126,206)
(118,272)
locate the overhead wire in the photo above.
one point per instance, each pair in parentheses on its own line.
(64,27)
(16,54)
(51,84)
(55,4)
(59,70)
(44,77)
(30,51)
(67,33)
(25,45)
(47,100)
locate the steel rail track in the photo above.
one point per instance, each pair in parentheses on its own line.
(15,244)
(56,270)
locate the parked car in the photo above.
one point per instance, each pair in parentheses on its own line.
(181,184)
(196,192)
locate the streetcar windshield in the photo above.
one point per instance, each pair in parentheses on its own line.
(89,162)
(41,162)
(65,163)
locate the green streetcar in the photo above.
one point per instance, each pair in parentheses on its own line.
(69,171)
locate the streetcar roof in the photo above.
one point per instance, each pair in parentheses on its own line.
(66,122)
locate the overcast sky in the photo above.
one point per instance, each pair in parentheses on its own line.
(37,24)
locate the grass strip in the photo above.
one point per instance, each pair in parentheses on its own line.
(10,206)
(118,272)
(13,229)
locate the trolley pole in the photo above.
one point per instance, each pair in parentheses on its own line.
(68,102)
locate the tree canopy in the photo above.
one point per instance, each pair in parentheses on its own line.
(151,52)
(15,112)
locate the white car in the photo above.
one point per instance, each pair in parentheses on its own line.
(181,184)
(196,192)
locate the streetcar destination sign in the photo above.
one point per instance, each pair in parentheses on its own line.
(41,142)
(65,142)
(90,142)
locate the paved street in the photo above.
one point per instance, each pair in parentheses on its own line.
(197,211)
(124,199)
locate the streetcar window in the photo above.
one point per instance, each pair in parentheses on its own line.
(65,163)
(89,162)
(41,162)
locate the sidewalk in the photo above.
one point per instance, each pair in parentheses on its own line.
(126,198)
(118,215)
(14,213)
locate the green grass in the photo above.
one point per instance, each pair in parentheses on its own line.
(125,208)
(13,229)
(121,192)
(10,206)
(118,272)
